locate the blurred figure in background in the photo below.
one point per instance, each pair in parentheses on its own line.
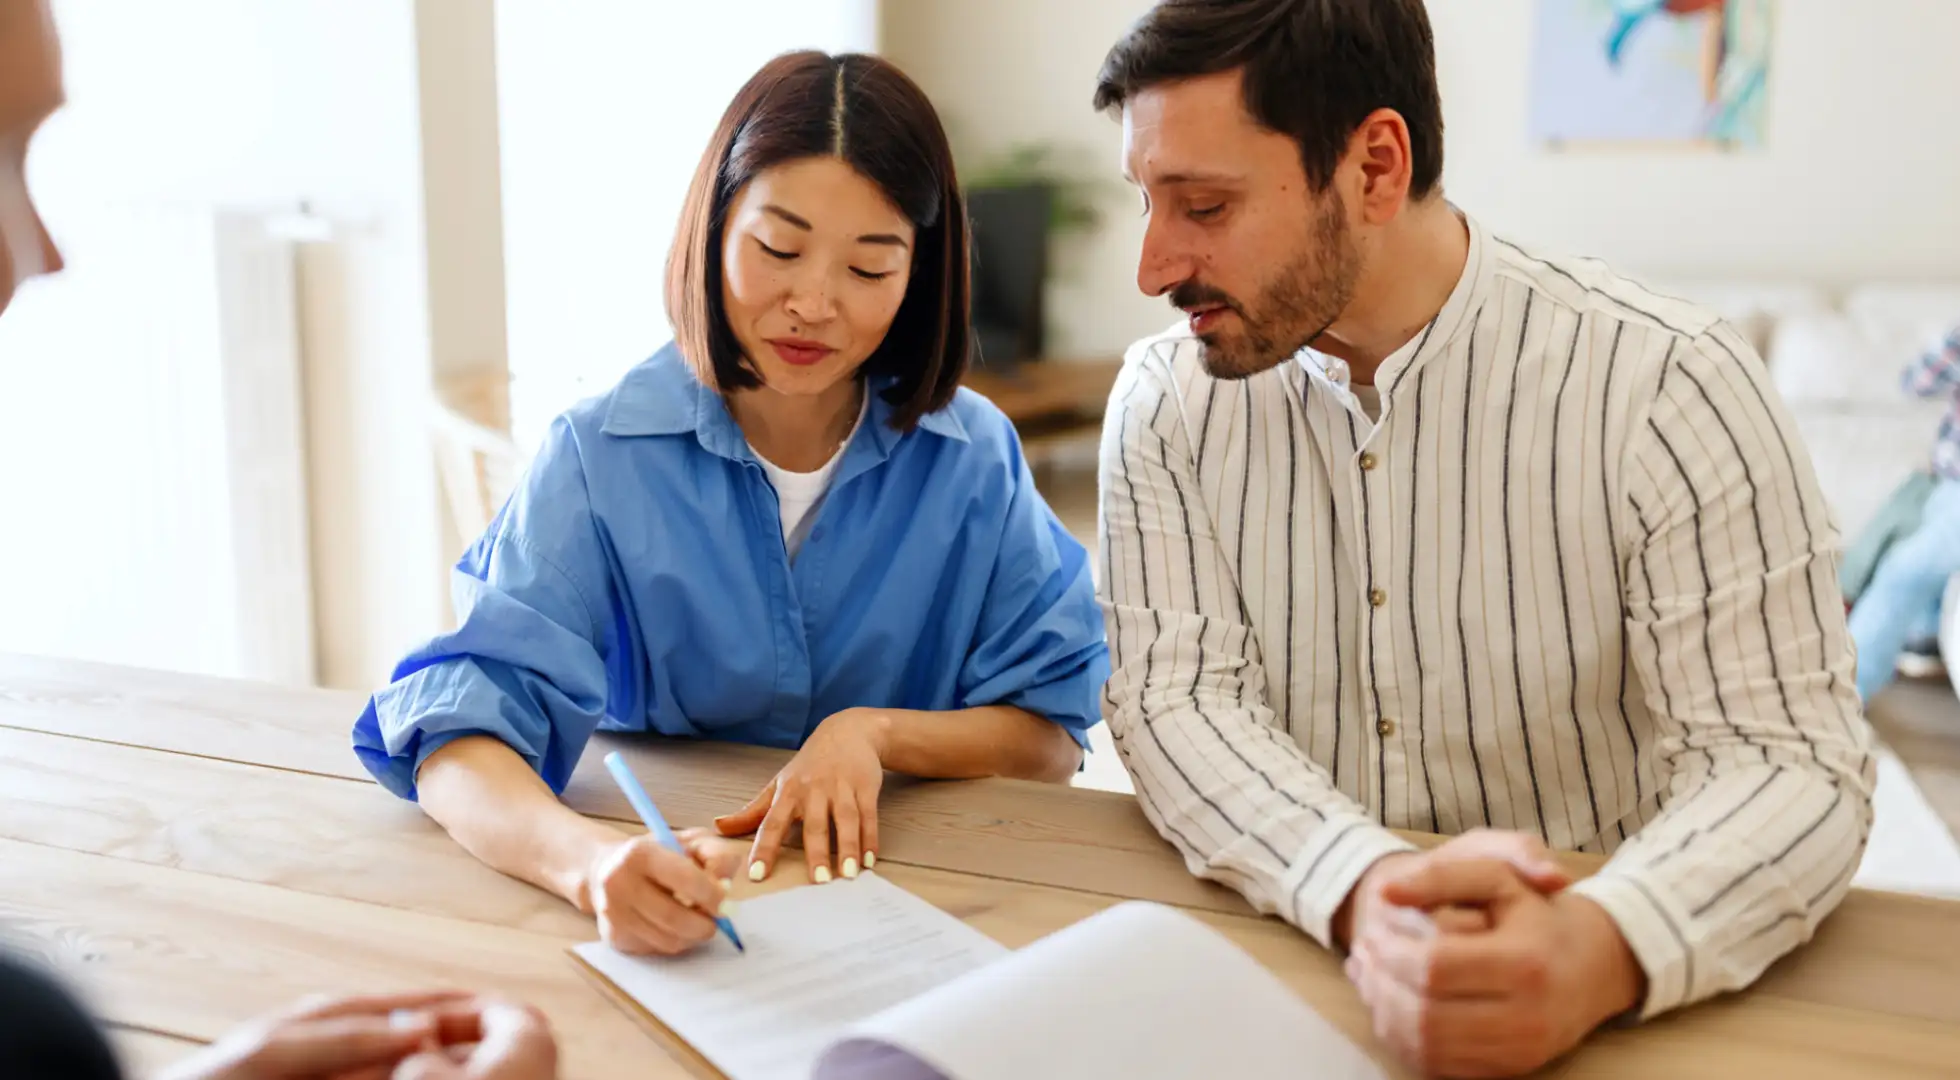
(1905,590)
(44,1033)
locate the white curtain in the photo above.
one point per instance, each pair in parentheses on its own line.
(115,542)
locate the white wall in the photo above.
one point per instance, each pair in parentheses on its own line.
(462,184)
(1860,177)
(606,107)
(344,86)
(1013,71)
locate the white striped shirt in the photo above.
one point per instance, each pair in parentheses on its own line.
(1579,581)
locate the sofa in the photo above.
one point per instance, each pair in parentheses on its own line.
(1835,359)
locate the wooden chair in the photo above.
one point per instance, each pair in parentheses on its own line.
(477,467)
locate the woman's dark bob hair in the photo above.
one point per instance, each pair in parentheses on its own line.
(876,119)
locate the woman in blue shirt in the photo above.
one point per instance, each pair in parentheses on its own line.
(791,528)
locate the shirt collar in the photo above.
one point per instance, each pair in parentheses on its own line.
(657,397)
(662,397)
(1456,317)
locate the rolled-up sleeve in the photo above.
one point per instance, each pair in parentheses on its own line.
(1040,644)
(526,664)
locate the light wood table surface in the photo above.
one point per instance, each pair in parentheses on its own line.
(195,852)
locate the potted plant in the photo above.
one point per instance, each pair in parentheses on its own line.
(1019,201)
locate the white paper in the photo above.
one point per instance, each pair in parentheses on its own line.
(819,959)
(1138,991)
(863,980)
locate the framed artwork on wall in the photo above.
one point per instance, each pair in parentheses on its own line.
(1651,74)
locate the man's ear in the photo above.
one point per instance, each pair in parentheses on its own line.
(1379,152)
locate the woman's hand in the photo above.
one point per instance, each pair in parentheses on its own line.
(832,782)
(652,900)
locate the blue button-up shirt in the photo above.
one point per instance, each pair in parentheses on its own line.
(637,581)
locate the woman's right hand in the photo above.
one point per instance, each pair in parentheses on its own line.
(652,900)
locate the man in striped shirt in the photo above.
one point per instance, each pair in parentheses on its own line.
(1408,528)
(1907,588)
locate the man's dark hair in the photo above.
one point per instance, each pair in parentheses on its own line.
(1314,70)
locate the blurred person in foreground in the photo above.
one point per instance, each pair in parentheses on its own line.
(45,1034)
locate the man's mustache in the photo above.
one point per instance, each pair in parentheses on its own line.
(1194,294)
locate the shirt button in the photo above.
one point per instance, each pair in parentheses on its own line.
(1368,463)
(1377,597)
(1384,727)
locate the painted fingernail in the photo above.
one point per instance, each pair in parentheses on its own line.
(726,910)
(870,859)
(850,868)
(757,871)
(727,884)
(822,875)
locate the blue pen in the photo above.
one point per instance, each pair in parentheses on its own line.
(657,825)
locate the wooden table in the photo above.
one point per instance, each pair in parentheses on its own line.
(196,852)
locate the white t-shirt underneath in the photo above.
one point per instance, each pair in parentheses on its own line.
(800,493)
(1370,400)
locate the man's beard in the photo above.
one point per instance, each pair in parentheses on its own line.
(1297,306)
